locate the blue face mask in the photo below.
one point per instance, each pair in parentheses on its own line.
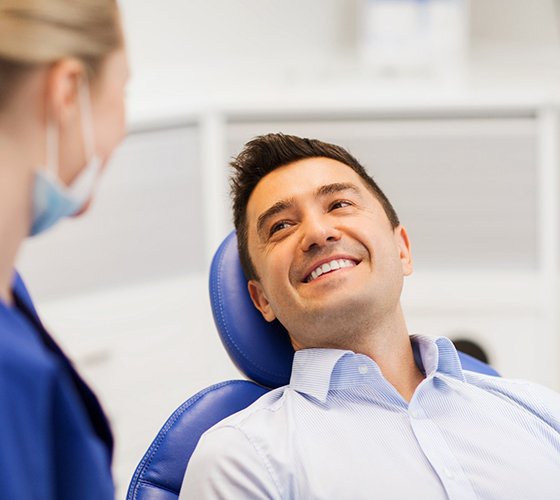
(52,200)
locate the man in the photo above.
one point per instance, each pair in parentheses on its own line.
(370,412)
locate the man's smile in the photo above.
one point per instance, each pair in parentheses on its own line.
(328,266)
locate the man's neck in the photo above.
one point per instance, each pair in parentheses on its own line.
(387,342)
(396,361)
(390,347)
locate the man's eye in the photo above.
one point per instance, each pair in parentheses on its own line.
(340,204)
(278,226)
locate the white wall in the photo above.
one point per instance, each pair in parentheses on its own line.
(286,37)
(240,36)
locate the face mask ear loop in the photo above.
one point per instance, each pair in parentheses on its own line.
(52,148)
(87,120)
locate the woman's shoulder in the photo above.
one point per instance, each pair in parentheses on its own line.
(23,357)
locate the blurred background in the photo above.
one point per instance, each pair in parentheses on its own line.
(452,105)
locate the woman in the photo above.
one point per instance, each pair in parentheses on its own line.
(63,70)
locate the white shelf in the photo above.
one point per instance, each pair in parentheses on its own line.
(167,96)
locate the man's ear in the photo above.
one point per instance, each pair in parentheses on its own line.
(260,301)
(405,254)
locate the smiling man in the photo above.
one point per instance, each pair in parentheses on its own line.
(370,411)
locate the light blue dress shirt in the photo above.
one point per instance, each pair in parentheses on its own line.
(341,431)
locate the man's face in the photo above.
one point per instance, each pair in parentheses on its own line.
(326,255)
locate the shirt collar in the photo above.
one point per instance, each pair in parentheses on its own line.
(312,370)
(317,371)
(436,355)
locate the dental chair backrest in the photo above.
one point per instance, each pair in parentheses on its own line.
(261,350)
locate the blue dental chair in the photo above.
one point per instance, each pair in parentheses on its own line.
(261,350)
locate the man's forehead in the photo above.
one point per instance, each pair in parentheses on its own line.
(303,177)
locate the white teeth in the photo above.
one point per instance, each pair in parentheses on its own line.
(333,265)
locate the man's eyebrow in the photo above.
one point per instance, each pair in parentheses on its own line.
(278,207)
(336,187)
(282,205)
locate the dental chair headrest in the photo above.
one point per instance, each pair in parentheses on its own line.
(261,350)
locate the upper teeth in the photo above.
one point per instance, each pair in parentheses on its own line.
(329,266)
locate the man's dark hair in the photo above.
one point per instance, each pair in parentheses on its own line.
(266,153)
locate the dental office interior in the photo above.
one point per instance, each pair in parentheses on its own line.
(452,105)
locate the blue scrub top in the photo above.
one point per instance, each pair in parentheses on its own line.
(55,439)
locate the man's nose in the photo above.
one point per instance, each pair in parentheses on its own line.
(319,231)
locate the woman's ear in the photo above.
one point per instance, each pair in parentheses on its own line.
(405,254)
(258,296)
(62,90)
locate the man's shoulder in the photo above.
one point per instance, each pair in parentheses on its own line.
(233,457)
(258,414)
(515,385)
(536,398)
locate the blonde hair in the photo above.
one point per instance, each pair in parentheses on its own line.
(40,32)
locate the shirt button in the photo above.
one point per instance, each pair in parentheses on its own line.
(448,473)
(363,369)
(416,414)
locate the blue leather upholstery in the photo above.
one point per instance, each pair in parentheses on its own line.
(160,472)
(261,350)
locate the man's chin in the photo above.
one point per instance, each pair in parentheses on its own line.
(331,309)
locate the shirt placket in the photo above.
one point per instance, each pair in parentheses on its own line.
(435,447)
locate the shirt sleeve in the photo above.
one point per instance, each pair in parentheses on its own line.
(225,465)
